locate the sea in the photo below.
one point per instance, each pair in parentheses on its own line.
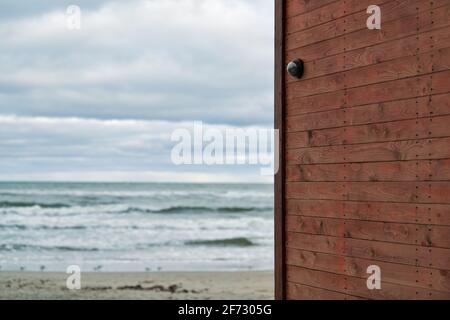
(136,227)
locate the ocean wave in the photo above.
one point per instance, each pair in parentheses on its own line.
(20,204)
(243,209)
(24,247)
(50,209)
(199,209)
(230,242)
(67,210)
(40,227)
(139,193)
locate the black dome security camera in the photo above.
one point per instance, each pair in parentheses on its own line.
(295,68)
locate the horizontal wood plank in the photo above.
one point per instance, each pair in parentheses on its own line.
(420,86)
(302,292)
(296,7)
(427,214)
(431,127)
(415,108)
(398,48)
(427,257)
(420,170)
(372,152)
(358,286)
(392,10)
(391,272)
(423,235)
(404,67)
(328,13)
(415,192)
(397,29)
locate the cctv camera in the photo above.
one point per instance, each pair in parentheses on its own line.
(295,68)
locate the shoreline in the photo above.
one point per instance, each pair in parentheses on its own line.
(221,285)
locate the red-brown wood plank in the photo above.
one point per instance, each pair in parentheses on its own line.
(373,113)
(423,235)
(409,46)
(419,86)
(327,13)
(400,28)
(296,7)
(393,273)
(436,60)
(321,102)
(392,10)
(415,192)
(301,292)
(372,152)
(358,286)
(399,89)
(428,214)
(433,127)
(405,67)
(427,257)
(420,170)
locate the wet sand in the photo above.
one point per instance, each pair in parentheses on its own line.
(150,286)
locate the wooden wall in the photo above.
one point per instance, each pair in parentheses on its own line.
(365,174)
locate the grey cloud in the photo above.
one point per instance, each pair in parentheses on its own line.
(13,9)
(161,62)
(90,147)
(163,59)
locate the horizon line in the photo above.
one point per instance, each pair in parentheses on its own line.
(136,182)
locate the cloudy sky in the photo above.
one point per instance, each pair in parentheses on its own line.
(101,103)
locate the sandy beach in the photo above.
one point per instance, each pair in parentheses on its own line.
(151,285)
